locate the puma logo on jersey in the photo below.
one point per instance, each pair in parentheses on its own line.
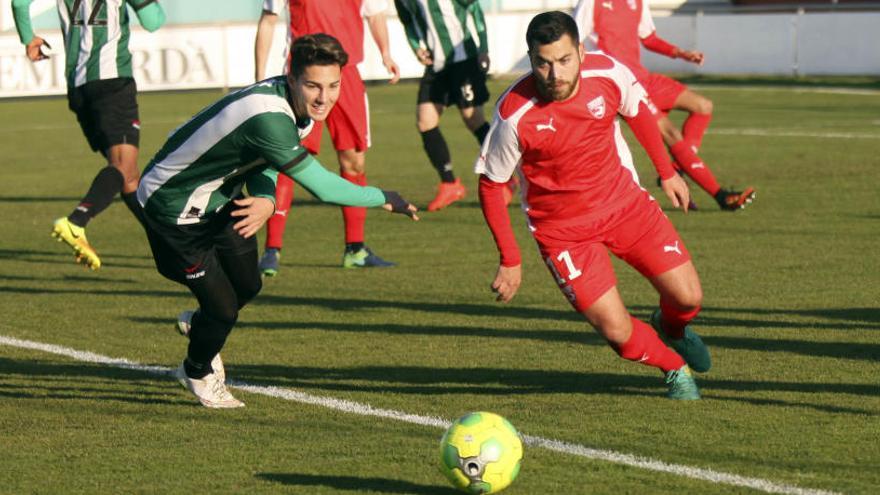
(644,358)
(696,165)
(672,249)
(546,127)
(596,106)
(607,5)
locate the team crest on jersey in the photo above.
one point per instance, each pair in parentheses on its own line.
(596,106)
(631,4)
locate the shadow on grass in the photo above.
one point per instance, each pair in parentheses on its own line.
(46,380)
(354,483)
(432,381)
(64,256)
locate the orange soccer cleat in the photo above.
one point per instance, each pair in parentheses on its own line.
(447,193)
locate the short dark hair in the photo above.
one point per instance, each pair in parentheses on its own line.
(316,49)
(549,27)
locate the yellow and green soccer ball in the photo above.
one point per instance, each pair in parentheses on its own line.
(481,453)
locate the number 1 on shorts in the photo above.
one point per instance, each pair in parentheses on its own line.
(573,272)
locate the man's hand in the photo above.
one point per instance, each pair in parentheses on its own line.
(677,190)
(424,56)
(692,56)
(483,61)
(396,204)
(34,49)
(507,282)
(254,212)
(392,68)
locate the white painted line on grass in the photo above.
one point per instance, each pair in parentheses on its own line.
(796,134)
(368,410)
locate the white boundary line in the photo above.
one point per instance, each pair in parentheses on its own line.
(797,134)
(368,410)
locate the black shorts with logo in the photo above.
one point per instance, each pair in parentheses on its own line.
(188,253)
(459,83)
(107,112)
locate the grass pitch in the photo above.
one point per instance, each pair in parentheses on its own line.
(791,315)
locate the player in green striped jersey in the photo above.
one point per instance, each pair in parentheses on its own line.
(102,93)
(201,227)
(449,38)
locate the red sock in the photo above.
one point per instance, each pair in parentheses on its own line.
(695,126)
(277,222)
(354,216)
(693,166)
(673,320)
(644,346)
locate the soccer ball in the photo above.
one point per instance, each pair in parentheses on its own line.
(481,453)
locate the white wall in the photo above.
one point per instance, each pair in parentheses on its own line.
(183,57)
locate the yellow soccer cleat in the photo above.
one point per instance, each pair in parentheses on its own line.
(75,237)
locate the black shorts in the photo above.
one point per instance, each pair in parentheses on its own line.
(460,83)
(107,112)
(187,253)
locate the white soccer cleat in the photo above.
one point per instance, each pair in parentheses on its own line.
(210,390)
(184,323)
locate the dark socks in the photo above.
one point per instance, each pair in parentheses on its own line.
(196,370)
(438,152)
(106,185)
(481,132)
(353,247)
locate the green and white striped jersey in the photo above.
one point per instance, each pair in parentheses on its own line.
(96,34)
(245,138)
(448,28)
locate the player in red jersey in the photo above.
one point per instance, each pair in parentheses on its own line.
(617,27)
(348,122)
(557,128)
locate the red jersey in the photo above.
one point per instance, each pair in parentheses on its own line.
(569,153)
(616,27)
(342,19)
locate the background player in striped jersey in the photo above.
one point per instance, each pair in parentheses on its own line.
(102,93)
(201,227)
(617,27)
(449,38)
(557,127)
(349,123)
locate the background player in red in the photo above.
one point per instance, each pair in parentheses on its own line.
(348,122)
(557,127)
(617,27)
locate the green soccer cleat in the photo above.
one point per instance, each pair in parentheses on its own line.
(682,385)
(269,263)
(363,258)
(75,237)
(690,347)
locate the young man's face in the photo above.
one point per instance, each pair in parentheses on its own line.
(556,67)
(316,90)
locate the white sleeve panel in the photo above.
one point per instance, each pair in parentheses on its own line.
(583,16)
(275,6)
(646,23)
(631,91)
(500,154)
(373,7)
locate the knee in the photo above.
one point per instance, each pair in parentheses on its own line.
(689,299)
(615,328)
(351,162)
(247,292)
(424,125)
(705,106)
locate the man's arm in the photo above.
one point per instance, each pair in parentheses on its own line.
(21,14)
(480,24)
(374,12)
(414,35)
(149,13)
(263,42)
(648,36)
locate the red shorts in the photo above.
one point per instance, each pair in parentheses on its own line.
(639,234)
(663,91)
(349,120)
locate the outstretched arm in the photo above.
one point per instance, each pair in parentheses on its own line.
(658,45)
(21,14)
